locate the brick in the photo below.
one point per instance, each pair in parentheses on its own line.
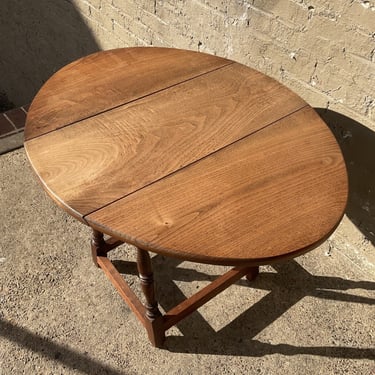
(290,12)
(17,116)
(312,46)
(26,107)
(360,17)
(97,4)
(5,126)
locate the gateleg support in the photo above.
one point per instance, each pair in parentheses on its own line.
(148,312)
(253,273)
(154,321)
(100,247)
(97,246)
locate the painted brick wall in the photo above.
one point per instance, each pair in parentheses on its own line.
(37,38)
(322,49)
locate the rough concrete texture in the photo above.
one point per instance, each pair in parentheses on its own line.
(11,142)
(323,50)
(60,315)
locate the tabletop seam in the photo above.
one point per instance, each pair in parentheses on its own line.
(196,161)
(132,101)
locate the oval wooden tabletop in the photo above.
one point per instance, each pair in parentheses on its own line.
(188,155)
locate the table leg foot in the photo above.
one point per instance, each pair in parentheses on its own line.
(156,332)
(253,273)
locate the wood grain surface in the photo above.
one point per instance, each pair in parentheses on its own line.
(108,79)
(188,155)
(101,159)
(268,195)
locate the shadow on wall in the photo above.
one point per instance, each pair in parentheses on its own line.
(37,38)
(357,143)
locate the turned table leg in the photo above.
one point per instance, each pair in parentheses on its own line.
(154,321)
(253,273)
(97,245)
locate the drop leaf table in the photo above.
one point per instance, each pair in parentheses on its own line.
(188,155)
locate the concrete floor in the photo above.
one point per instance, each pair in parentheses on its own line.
(60,315)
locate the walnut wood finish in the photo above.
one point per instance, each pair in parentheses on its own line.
(105,80)
(100,247)
(147,283)
(188,155)
(154,327)
(97,246)
(191,304)
(123,288)
(253,273)
(149,315)
(101,159)
(268,195)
